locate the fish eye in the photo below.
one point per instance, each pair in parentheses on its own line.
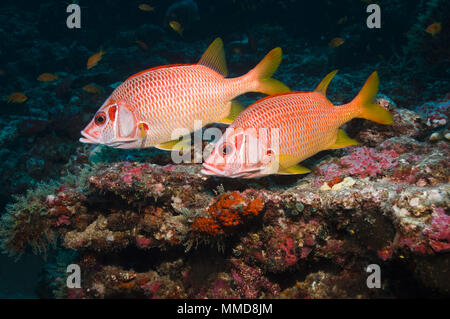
(225,149)
(100,119)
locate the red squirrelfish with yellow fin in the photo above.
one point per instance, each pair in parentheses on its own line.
(145,109)
(276,133)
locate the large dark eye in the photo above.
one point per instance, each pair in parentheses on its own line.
(100,119)
(225,149)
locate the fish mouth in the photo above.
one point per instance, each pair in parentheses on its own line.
(212,171)
(116,143)
(87,139)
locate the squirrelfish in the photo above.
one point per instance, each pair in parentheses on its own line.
(276,133)
(145,109)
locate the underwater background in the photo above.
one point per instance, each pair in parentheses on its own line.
(141,227)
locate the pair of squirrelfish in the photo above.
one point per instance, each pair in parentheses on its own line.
(286,127)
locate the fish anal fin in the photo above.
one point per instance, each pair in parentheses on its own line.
(323,85)
(296,169)
(343,140)
(175,145)
(235,109)
(214,57)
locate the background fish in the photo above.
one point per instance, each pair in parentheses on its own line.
(307,123)
(145,109)
(47,77)
(94,59)
(184,13)
(17,97)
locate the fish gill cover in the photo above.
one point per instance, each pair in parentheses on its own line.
(140,225)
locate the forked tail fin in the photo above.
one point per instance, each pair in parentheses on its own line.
(364,101)
(264,71)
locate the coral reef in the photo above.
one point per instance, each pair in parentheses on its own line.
(382,205)
(139,226)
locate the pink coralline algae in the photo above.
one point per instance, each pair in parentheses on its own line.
(288,248)
(439,231)
(62,220)
(130,171)
(362,162)
(142,242)
(413,244)
(250,281)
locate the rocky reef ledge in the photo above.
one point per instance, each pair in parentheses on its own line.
(146,230)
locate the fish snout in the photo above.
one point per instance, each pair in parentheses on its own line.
(208,169)
(88,139)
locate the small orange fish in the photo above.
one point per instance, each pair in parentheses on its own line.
(47,77)
(177,27)
(94,59)
(434,28)
(2,72)
(92,88)
(17,97)
(142,45)
(336,42)
(146,7)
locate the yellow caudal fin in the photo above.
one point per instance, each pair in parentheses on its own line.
(343,140)
(235,109)
(214,57)
(264,71)
(323,85)
(365,98)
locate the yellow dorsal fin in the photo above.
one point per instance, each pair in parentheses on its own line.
(214,57)
(343,140)
(296,169)
(175,145)
(322,87)
(235,109)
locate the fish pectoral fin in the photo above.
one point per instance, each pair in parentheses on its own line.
(214,57)
(343,140)
(235,109)
(323,85)
(296,169)
(175,145)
